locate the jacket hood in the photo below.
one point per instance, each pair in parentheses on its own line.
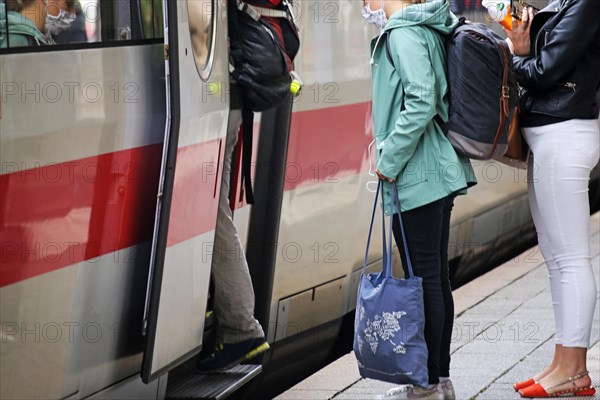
(21,25)
(433,13)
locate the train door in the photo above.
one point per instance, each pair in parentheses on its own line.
(197,111)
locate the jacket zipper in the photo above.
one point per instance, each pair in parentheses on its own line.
(571,85)
(537,39)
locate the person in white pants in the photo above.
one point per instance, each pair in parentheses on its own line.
(559,74)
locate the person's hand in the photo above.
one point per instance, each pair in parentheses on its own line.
(518,40)
(383,177)
(511,46)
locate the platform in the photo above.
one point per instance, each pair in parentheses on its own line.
(504,332)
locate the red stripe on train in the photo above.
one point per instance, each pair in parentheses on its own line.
(61,214)
(328,144)
(194,201)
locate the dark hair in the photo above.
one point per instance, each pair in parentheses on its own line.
(18,5)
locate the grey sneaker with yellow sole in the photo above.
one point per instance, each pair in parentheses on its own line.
(228,355)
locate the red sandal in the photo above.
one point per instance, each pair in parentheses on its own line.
(522,385)
(536,390)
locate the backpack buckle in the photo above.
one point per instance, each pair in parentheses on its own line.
(290,10)
(248,9)
(505,92)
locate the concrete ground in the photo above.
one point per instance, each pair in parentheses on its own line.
(504,332)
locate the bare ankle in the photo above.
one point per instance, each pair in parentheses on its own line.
(544,373)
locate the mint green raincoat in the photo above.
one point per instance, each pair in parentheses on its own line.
(20,29)
(411,147)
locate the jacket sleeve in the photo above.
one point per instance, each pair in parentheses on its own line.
(564,48)
(413,63)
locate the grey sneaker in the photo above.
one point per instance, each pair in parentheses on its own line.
(410,392)
(448,390)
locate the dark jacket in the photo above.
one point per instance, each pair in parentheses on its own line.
(561,77)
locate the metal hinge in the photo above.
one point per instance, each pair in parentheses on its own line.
(166,51)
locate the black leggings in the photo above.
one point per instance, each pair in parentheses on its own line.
(427,233)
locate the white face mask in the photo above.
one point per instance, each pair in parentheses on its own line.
(59,23)
(377,17)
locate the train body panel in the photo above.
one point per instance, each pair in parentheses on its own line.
(68,105)
(77,329)
(80,150)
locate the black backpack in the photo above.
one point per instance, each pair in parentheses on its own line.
(482,91)
(263,41)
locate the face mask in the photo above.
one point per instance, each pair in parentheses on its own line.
(59,23)
(377,18)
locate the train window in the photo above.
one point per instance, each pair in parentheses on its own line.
(3,21)
(72,21)
(151,18)
(201,17)
(35,23)
(23,23)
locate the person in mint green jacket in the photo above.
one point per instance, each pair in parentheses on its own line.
(23,23)
(409,98)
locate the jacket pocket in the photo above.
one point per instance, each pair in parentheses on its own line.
(564,96)
(412,174)
(408,183)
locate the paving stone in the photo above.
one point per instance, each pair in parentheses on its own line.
(338,376)
(498,392)
(463,303)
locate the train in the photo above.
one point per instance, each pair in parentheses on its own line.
(110,164)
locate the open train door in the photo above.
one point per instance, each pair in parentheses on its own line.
(196,66)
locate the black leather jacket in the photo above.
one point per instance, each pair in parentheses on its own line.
(561,77)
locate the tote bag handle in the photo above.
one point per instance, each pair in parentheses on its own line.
(387,247)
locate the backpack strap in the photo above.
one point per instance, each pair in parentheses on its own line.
(247,124)
(256,12)
(505,95)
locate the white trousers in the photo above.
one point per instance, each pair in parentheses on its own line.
(234,294)
(563,156)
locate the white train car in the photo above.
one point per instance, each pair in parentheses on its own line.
(110,161)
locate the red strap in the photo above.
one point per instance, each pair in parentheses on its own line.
(504,99)
(275,23)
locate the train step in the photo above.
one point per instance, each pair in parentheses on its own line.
(212,386)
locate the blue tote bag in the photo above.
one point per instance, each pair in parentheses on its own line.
(389,341)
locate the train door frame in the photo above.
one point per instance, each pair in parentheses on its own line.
(178,284)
